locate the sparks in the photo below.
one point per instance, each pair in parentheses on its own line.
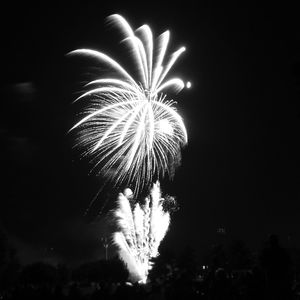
(130,129)
(141,229)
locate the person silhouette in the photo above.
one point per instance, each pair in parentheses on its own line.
(276,264)
(221,287)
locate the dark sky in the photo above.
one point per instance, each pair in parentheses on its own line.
(240,169)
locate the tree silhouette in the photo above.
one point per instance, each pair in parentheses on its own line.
(112,270)
(239,256)
(39,274)
(9,264)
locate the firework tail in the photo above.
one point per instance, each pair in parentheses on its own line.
(140,230)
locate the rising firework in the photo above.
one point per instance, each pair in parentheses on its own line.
(141,228)
(131,130)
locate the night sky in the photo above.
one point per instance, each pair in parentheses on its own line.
(240,169)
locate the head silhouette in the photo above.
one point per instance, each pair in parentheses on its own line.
(273,240)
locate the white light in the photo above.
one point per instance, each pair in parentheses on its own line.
(164,127)
(188,85)
(130,126)
(128,193)
(141,228)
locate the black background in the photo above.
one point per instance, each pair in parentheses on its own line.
(240,169)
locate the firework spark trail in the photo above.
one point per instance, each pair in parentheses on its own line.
(130,130)
(141,228)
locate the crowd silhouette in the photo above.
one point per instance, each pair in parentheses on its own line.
(232,273)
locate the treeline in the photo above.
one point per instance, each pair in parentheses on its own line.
(231,271)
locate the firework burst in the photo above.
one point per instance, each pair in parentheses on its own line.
(141,228)
(131,130)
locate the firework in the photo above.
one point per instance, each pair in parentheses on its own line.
(141,228)
(131,130)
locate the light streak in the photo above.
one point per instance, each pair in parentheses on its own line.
(130,130)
